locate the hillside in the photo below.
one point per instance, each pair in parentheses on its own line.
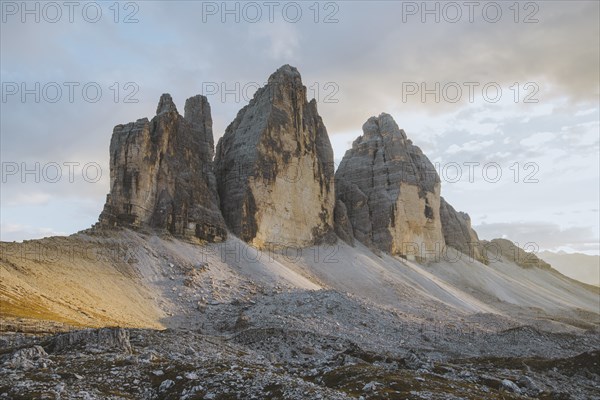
(583,267)
(328,320)
(148,281)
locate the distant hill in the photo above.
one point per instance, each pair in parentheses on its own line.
(583,267)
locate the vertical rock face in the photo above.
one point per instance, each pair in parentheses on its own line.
(343,226)
(391,192)
(161,173)
(274,167)
(458,233)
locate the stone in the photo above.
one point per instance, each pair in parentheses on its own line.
(459,234)
(166,385)
(510,386)
(27,358)
(104,339)
(371,386)
(528,383)
(391,192)
(161,173)
(191,375)
(274,168)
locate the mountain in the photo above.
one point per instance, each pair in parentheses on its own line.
(274,167)
(161,173)
(391,192)
(225,278)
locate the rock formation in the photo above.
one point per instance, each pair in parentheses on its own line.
(343,226)
(161,173)
(391,192)
(274,167)
(458,233)
(106,339)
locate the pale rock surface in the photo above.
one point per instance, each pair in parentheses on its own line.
(96,340)
(161,173)
(274,168)
(27,357)
(391,192)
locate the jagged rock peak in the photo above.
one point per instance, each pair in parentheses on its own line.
(161,173)
(197,112)
(285,73)
(165,104)
(382,126)
(274,167)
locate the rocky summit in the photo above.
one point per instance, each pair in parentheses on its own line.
(274,168)
(391,192)
(161,173)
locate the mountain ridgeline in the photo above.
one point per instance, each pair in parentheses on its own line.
(272,180)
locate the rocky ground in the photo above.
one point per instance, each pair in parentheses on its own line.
(304,345)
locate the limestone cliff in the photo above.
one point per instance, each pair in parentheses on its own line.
(161,173)
(458,233)
(274,167)
(391,192)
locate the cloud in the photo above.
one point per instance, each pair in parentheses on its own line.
(280,41)
(538,140)
(29,198)
(368,55)
(469,146)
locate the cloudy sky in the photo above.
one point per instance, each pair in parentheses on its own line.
(504,98)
